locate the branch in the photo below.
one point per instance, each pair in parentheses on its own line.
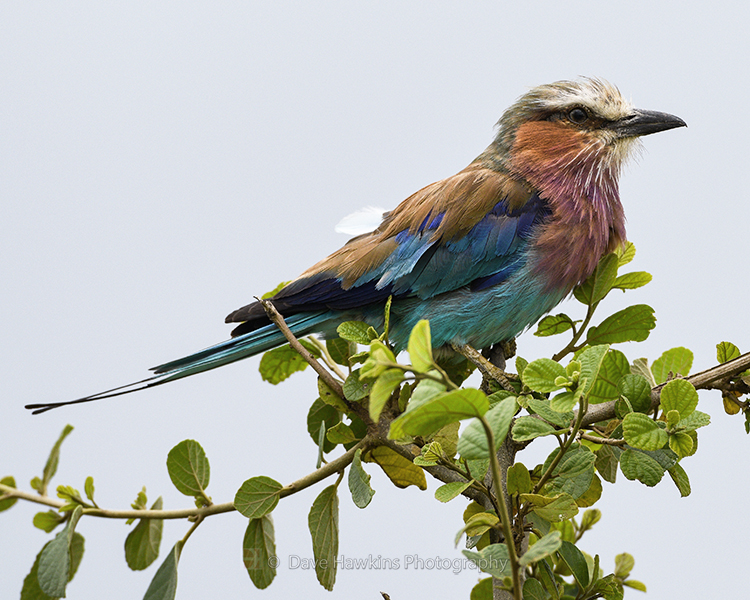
(325,375)
(325,471)
(705,380)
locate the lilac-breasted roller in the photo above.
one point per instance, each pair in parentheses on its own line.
(482,254)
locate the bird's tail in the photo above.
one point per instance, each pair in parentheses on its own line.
(229,351)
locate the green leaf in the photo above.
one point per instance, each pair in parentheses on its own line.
(354,389)
(681,444)
(448,491)
(528,428)
(164,584)
(540,375)
(50,467)
(599,283)
(381,358)
(275,290)
(478,524)
(576,562)
(642,432)
(694,420)
(88,488)
(257,497)
(359,483)
(327,395)
(726,351)
(632,324)
(607,459)
(8,502)
(401,471)
(420,347)
(354,331)
(634,584)
(319,413)
(47,521)
(606,386)
(624,564)
(341,434)
(54,560)
(323,522)
(641,466)
(532,590)
(565,401)
(188,468)
(142,544)
(626,254)
(473,441)
(640,367)
(679,395)
(591,495)
(518,479)
(552,508)
(590,518)
(680,478)
(631,281)
(553,324)
(676,361)
(637,390)
(547,545)
(259,551)
(492,559)
(446,408)
(340,350)
(591,360)
(483,590)
(31,589)
(382,389)
(278,364)
(544,410)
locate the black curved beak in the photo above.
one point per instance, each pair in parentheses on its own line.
(645,122)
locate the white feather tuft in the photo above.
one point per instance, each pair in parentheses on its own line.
(364,220)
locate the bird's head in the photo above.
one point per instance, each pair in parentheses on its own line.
(582,126)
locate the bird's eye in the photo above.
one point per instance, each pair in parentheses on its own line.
(577,116)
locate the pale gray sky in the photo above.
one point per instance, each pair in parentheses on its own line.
(161,163)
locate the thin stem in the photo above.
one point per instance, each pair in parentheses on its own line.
(502,508)
(330,363)
(571,347)
(564,448)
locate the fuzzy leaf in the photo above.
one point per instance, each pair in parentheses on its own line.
(142,544)
(540,375)
(446,408)
(549,544)
(726,351)
(401,471)
(642,432)
(676,361)
(528,428)
(553,324)
(632,324)
(359,483)
(420,347)
(354,331)
(164,584)
(259,551)
(188,468)
(323,522)
(679,395)
(382,389)
(473,441)
(257,497)
(613,368)
(631,281)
